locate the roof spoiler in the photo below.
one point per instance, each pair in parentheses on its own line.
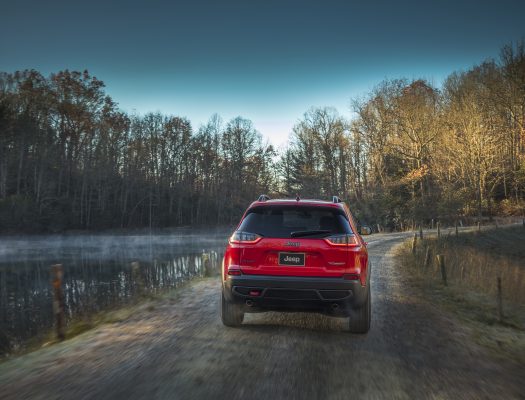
(263,197)
(336,199)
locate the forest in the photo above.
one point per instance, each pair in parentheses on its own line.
(407,152)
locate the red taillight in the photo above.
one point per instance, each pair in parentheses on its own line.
(244,237)
(255,293)
(234,271)
(342,240)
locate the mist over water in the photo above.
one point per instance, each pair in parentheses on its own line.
(97,274)
(106,246)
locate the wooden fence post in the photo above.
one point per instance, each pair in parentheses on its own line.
(414,243)
(439,229)
(57,275)
(137,278)
(500,301)
(206,264)
(421,232)
(441,262)
(432,224)
(456,226)
(427,256)
(479,226)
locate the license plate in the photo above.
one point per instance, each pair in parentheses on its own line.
(296,259)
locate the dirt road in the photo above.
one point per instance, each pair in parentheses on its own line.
(180,350)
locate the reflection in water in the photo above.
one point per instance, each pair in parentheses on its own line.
(100,272)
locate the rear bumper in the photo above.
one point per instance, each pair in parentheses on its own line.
(334,296)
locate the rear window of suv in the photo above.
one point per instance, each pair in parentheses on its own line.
(286,221)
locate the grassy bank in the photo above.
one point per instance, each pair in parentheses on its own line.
(140,304)
(473,263)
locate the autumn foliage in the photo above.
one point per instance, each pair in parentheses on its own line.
(410,152)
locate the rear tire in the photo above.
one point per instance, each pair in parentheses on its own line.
(360,319)
(231,314)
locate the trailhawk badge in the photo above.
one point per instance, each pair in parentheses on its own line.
(292,244)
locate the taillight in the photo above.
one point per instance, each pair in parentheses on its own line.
(342,240)
(234,271)
(244,237)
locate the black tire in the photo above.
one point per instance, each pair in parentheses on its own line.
(231,314)
(360,319)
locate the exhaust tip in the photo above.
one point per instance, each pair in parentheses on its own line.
(249,303)
(335,306)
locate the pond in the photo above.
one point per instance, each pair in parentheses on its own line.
(100,272)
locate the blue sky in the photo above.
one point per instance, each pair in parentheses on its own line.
(266,60)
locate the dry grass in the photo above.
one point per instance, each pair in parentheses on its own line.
(473,263)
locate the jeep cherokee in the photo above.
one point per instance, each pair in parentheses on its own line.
(297,255)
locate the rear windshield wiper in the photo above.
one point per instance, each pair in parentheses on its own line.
(309,233)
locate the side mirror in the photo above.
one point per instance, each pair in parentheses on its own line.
(365,230)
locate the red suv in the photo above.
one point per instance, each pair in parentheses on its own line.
(297,255)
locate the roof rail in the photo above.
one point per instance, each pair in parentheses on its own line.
(263,197)
(336,199)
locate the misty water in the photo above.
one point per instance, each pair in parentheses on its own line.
(98,274)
